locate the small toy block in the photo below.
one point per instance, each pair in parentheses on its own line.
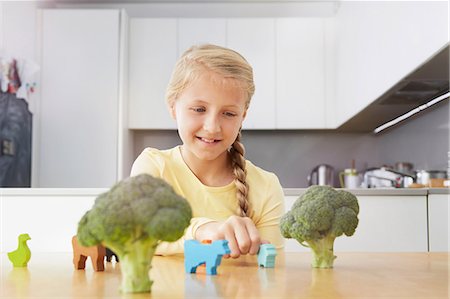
(81,253)
(196,253)
(110,254)
(21,256)
(266,256)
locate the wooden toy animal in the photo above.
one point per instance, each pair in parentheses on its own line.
(21,256)
(196,253)
(266,256)
(80,254)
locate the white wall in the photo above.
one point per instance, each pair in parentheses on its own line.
(17,28)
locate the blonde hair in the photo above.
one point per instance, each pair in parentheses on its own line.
(228,64)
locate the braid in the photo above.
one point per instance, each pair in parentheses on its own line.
(237,152)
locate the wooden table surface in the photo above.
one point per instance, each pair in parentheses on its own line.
(355,275)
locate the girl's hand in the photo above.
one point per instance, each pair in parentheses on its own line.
(240,232)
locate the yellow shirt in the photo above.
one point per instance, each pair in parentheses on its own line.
(215,203)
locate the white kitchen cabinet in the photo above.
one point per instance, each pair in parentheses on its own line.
(78,121)
(386,224)
(300,73)
(254,38)
(49,215)
(287,56)
(194,31)
(378,43)
(152,56)
(438,212)
(389,224)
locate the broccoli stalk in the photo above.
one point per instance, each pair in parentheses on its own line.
(317,218)
(135,265)
(323,253)
(132,219)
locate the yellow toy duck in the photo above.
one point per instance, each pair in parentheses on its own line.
(21,256)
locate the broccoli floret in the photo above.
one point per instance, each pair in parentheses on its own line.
(131,219)
(317,218)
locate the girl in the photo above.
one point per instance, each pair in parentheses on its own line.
(208,96)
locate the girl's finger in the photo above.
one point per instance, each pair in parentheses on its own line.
(253,235)
(232,243)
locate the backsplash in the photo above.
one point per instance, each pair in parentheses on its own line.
(422,140)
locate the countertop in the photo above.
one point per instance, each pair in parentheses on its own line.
(378,191)
(287,191)
(355,275)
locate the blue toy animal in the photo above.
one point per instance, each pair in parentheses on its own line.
(196,254)
(266,256)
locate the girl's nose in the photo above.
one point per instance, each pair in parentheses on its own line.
(211,124)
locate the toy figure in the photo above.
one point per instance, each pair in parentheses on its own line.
(266,256)
(196,253)
(21,256)
(80,254)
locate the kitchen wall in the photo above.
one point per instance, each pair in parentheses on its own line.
(422,140)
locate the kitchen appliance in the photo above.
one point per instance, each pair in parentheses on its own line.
(423,177)
(350,178)
(386,178)
(427,82)
(322,174)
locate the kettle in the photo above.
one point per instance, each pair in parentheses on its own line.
(322,174)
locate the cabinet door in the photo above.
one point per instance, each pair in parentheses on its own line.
(300,81)
(152,56)
(50,216)
(438,209)
(78,120)
(194,31)
(255,40)
(390,224)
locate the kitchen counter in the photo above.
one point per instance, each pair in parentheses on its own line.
(378,191)
(355,275)
(439,191)
(287,191)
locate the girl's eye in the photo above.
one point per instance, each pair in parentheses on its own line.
(198,109)
(230,114)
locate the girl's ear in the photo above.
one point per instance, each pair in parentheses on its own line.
(172,110)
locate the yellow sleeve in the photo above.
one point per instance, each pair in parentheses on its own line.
(272,211)
(169,248)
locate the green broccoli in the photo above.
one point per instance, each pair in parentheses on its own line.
(132,219)
(319,216)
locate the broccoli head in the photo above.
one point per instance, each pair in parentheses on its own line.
(131,219)
(319,216)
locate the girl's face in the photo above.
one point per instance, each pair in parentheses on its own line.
(209,114)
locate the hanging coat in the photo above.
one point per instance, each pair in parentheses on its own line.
(15,141)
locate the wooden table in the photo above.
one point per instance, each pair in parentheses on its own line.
(355,275)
